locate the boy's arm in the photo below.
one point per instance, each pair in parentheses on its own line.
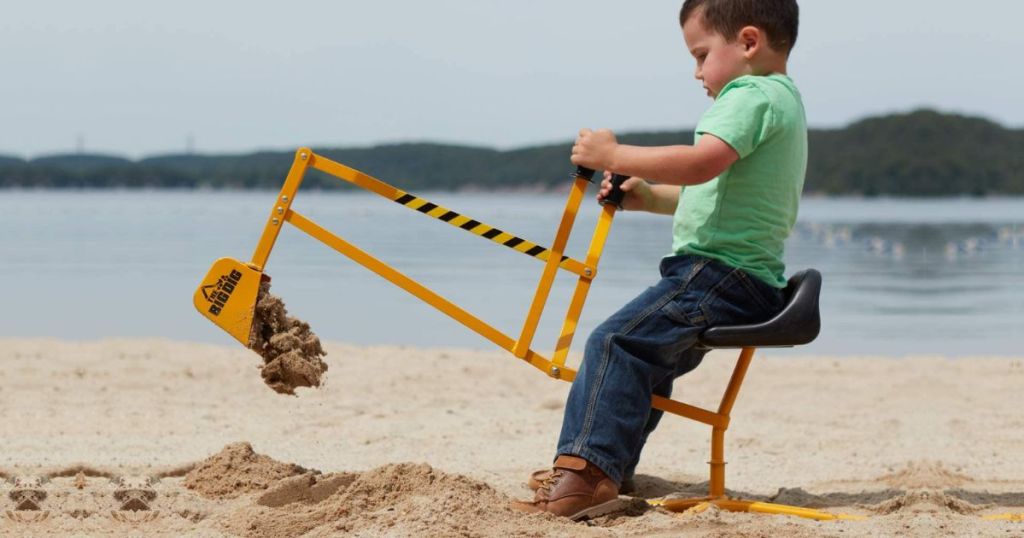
(664,199)
(643,196)
(670,165)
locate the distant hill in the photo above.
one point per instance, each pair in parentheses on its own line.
(921,153)
(7,160)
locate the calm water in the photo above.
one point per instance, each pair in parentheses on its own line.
(943,277)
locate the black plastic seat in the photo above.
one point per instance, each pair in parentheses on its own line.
(798,323)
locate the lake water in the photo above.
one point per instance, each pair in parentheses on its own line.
(901,276)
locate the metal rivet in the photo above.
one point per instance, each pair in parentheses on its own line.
(588,272)
(303,155)
(280,210)
(276,222)
(284,198)
(555,372)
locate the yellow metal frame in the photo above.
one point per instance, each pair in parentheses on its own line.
(554,259)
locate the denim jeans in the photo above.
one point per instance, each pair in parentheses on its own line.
(643,347)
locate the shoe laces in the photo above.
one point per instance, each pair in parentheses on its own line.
(551,481)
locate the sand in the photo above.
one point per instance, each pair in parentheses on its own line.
(291,352)
(157,438)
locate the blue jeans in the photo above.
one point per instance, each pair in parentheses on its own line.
(643,347)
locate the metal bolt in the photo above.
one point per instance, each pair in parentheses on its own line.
(284,198)
(303,155)
(588,272)
(555,372)
(276,222)
(280,210)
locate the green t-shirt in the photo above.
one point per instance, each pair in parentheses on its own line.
(743,216)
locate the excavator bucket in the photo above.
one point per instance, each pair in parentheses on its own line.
(227,296)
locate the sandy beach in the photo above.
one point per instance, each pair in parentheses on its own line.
(153,437)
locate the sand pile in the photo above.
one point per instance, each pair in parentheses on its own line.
(403,499)
(291,352)
(237,470)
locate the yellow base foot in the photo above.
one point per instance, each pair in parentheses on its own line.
(1005,517)
(698,505)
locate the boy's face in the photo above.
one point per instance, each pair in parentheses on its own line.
(719,62)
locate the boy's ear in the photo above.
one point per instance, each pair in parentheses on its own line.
(751,38)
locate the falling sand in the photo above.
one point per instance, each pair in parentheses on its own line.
(291,352)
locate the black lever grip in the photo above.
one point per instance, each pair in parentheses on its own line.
(617,194)
(585,173)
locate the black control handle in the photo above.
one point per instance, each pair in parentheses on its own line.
(585,173)
(616,195)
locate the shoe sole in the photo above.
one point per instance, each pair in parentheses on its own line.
(615,505)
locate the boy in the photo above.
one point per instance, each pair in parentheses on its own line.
(734,197)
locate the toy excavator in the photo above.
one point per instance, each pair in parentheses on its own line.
(227,297)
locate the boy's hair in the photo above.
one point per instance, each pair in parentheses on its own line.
(778,18)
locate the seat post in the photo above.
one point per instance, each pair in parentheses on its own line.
(717,463)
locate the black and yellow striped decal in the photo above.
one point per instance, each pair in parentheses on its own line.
(484,230)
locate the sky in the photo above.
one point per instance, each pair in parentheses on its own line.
(142,78)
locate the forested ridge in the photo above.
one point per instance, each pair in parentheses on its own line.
(921,153)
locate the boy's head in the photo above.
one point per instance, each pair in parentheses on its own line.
(732,38)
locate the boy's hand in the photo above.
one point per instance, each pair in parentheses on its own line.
(595,149)
(638,192)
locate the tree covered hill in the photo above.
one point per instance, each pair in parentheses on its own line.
(921,153)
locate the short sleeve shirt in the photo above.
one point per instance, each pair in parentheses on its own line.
(743,216)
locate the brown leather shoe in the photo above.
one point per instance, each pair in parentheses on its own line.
(576,489)
(538,477)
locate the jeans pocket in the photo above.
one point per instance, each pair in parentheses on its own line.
(736,299)
(768,298)
(676,312)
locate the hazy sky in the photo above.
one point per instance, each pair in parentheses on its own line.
(140,78)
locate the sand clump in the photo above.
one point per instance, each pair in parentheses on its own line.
(237,470)
(291,352)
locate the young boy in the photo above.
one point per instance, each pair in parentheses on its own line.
(734,197)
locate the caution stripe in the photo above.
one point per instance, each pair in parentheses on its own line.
(485,230)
